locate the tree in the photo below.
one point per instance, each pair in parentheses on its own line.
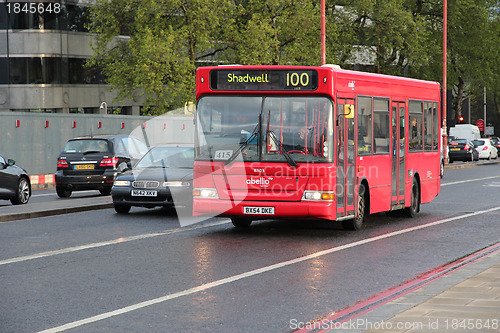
(148,48)
(279,32)
(471,47)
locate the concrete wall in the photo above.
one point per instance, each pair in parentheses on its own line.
(34,140)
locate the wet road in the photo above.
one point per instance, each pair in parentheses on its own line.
(97,271)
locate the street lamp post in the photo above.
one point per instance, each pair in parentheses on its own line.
(323,34)
(444,105)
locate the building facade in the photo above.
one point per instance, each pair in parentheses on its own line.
(44,46)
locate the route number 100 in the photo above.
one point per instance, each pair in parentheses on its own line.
(296,79)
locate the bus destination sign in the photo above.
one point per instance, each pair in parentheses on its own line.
(264,80)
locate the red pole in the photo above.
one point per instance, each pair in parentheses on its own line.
(323,33)
(444,105)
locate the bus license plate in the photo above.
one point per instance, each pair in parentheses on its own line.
(144,193)
(84,167)
(258,210)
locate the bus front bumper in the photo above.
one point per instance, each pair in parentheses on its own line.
(265,209)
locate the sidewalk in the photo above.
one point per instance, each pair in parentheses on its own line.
(465,300)
(57,207)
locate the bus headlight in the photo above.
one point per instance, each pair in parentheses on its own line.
(207,193)
(318,196)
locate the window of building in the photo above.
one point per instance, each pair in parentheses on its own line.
(43,16)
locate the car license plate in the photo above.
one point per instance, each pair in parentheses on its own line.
(258,210)
(144,193)
(454,149)
(84,167)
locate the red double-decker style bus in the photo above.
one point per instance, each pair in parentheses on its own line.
(313,142)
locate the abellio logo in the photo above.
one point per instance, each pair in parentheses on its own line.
(263,182)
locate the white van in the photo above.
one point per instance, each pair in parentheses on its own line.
(465,131)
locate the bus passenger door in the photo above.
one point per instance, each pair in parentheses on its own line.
(398,135)
(345,157)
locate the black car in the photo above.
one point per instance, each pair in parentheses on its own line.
(495,141)
(15,183)
(92,163)
(463,150)
(163,177)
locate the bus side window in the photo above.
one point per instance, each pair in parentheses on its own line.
(415,142)
(381,126)
(364,125)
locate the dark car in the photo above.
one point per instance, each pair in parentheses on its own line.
(462,150)
(92,163)
(495,141)
(163,177)
(15,183)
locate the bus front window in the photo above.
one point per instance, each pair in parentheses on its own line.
(290,128)
(224,124)
(300,127)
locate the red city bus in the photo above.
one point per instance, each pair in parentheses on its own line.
(313,142)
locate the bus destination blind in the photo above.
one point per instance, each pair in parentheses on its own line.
(264,80)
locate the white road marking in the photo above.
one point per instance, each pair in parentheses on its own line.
(55,195)
(469,180)
(110,242)
(254,272)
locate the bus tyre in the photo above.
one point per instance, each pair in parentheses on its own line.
(414,201)
(240,222)
(357,222)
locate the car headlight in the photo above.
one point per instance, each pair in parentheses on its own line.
(121,183)
(175,184)
(208,193)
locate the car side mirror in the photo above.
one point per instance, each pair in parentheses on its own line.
(10,162)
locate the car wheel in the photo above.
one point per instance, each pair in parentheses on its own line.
(23,192)
(414,201)
(357,222)
(241,222)
(122,209)
(63,192)
(106,191)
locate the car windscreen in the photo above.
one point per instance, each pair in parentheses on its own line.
(167,157)
(86,146)
(459,141)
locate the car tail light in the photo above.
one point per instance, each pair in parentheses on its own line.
(61,163)
(485,148)
(109,162)
(466,147)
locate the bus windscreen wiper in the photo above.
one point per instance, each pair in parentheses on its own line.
(243,145)
(284,152)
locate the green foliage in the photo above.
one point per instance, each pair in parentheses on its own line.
(149,49)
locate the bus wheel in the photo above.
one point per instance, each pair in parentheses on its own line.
(357,222)
(240,222)
(415,200)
